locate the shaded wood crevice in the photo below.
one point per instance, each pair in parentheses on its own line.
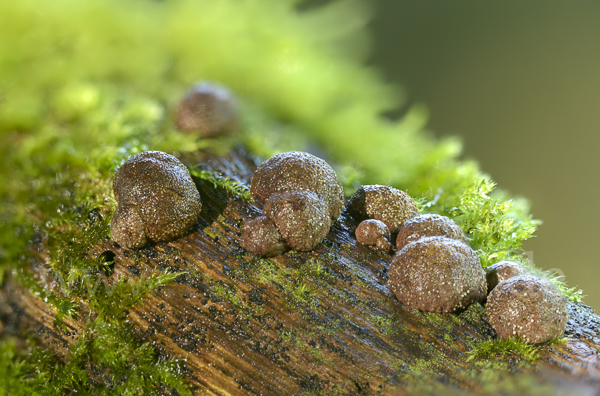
(320,322)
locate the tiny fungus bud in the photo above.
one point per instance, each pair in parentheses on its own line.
(208,109)
(373,232)
(527,307)
(500,272)
(384,203)
(428,225)
(301,217)
(384,245)
(260,236)
(437,274)
(158,201)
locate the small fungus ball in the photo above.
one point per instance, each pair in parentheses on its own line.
(384,203)
(208,109)
(527,307)
(428,225)
(500,272)
(261,237)
(373,232)
(384,245)
(437,274)
(158,200)
(301,217)
(298,171)
(369,231)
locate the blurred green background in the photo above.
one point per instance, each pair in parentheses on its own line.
(520,82)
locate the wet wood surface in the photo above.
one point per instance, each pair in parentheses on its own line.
(321,322)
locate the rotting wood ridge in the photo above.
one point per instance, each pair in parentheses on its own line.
(321,322)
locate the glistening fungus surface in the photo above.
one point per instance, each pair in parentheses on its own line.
(321,322)
(302,171)
(528,307)
(157,199)
(428,225)
(385,203)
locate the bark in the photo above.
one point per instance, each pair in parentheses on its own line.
(320,322)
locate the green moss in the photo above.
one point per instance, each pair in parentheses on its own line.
(496,227)
(498,347)
(389,324)
(127,366)
(231,187)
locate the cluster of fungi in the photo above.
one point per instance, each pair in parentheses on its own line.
(433,268)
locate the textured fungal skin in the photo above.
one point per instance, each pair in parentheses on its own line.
(428,225)
(437,274)
(384,245)
(373,232)
(527,307)
(158,200)
(298,171)
(500,272)
(301,217)
(260,236)
(208,109)
(384,203)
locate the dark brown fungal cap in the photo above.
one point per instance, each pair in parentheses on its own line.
(208,109)
(370,231)
(384,245)
(261,237)
(298,171)
(500,272)
(437,274)
(384,203)
(428,225)
(301,217)
(158,201)
(527,307)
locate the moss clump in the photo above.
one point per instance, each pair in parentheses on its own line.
(119,361)
(225,183)
(498,347)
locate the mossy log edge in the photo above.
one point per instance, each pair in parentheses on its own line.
(320,322)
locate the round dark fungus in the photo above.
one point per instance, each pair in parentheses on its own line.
(384,203)
(527,307)
(500,272)
(437,274)
(158,201)
(301,194)
(295,170)
(260,236)
(373,232)
(428,225)
(208,109)
(301,217)
(384,245)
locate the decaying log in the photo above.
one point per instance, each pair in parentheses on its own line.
(321,322)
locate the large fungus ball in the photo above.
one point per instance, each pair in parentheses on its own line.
(384,203)
(437,274)
(298,171)
(260,236)
(208,109)
(158,200)
(527,307)
(428,225)
(500,272)
(301,217)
